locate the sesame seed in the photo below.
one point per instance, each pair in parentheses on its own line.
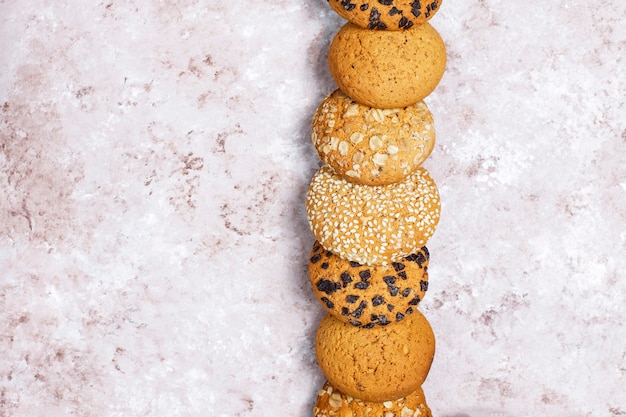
(372,224)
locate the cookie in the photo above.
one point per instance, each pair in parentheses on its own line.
(333,403)
(372,146)
(387,69)
(368,295)
(383,363)
(372,225)
(385,14)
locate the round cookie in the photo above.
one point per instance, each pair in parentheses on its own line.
(333,403)
(387,69)
(385,14)
(372,225)
(368,295)
(383,363)
(372,146)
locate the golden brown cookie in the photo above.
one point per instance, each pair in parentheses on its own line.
(372,225)
(386,14)
(372,146)
(368,295)
(333,403)
(387,69)
(383,363)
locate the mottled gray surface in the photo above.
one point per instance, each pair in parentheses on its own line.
(153,162)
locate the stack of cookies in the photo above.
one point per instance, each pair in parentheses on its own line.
(372,207)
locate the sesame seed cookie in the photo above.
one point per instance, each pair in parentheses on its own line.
(372,225)
(333,403)
(385,14)
(383,363)
(369,145)
(368,295)
(387,69)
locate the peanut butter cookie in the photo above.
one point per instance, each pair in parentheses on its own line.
(383,363)
(387,69)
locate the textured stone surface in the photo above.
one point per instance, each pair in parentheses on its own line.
(154,158)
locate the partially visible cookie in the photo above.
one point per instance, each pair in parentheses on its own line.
(368,295)
(372,146)
(386,14)
(383,363)
(372,225)
(387,69)
(333,403)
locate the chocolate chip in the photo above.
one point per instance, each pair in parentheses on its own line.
(394,291)
(365,275)
(369,325)
(364,7)
(328,303)
(329,254)
(352,298)
(315,258)
(409,310)
(359,310)
(424,286)
(386,2)
(421,259)
(389,280)
(418,258)
(399,316)
(402,275)
(397,266)
(324,265)
(406,292)
(327,286)
(347,5)
(380,318)
(346,279)
(355,322)
(415,8)
(394,11)
(354,264)
(415,301)
(374,15)
(405,23)
(378,300)
(345,311)
(390,307)
(426,252)
(363,285)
